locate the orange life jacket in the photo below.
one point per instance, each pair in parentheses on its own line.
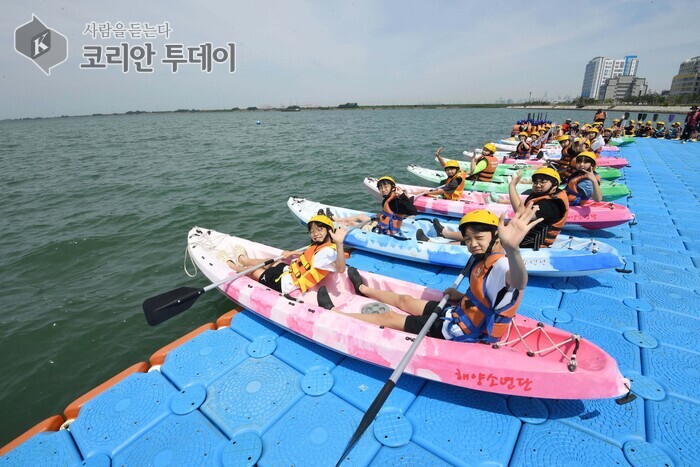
(457,194)
(475,315)
(566,164)
(522,150)
(304,274)
(536,146)
(575,196)
(388,222)
(553,229)
(486,175)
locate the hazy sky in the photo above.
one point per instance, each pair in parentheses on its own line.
(331,52)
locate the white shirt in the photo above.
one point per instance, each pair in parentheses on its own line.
(323,259)
(597,143)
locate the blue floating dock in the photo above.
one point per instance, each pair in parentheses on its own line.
(253,394)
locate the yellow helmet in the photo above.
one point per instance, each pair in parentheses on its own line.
(632,122)
(522,133)
(490,147)
(660,123)
(548,171)
(648,122)
(588,154)
(480,216)
(452,164)
(586,142)
(617,120)
(676,124)
(386,178)
(321,219)
(576,124)
(594,130)
(597,123)
(563,138)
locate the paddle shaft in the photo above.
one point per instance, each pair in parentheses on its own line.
(383,395)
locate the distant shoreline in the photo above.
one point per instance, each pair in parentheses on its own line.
(610,109)
(682,109)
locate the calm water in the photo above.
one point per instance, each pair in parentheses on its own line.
(96,212)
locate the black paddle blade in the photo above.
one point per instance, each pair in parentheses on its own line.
(627,115)
(639,117)
(655,117)
(164,306)
(368,418)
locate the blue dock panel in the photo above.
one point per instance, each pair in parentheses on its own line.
(49,448)
(254,394)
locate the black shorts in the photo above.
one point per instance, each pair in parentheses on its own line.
(271,277)
(414,324)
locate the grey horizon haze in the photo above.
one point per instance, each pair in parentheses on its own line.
(313,53)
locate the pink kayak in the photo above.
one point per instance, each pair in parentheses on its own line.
(590,216)
(555,153)
(567,367)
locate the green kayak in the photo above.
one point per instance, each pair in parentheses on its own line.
(611,190)
(504,170)
(623,141)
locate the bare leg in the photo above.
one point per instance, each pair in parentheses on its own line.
(389,319)
(452,235)
(406,303)
(351,221)
(248,262)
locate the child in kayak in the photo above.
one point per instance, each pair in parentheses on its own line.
(659,131)
(552,202)
(584,182)
(324,255)
(568,154)
(483,166)
(674,132)
(497,278)
(453,186)
(595,140)
(523,148)
(395,207)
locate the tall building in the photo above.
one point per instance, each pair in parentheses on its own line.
(600,68)
(687,81)
(623,87)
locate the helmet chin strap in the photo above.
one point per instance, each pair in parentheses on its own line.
(492,243)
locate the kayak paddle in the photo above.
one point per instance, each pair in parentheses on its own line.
(166,305)
(162,307)
(378,402)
